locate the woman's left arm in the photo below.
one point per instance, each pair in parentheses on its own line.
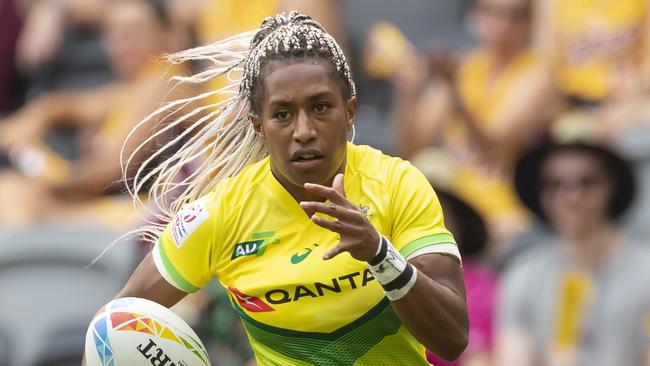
(434,309)
(432,306)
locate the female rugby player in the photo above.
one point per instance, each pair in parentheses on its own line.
(333,254)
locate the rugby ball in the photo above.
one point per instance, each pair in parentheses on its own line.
(132,331)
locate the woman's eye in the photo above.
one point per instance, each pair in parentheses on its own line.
(282,115)
(321,107)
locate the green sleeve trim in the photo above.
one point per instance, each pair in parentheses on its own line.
(442,238)
(184,284)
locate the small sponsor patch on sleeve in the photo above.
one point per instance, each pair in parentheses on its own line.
(187,220)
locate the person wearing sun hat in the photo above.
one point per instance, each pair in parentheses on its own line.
(579,297)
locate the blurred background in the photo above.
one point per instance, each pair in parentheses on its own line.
(531,119)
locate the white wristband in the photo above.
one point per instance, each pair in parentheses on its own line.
(388,264)
(401,292)
(392,271)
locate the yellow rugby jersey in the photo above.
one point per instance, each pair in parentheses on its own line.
(297,308)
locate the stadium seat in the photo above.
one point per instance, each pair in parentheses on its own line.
(46,291)
(63,347)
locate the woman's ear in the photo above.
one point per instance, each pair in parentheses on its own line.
(257,123)
(351,109)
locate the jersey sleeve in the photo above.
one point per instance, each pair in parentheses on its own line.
(418,224)
(184,251)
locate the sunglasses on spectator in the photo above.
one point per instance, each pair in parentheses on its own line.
(584,183)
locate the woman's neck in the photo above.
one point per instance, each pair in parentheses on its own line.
(299,193)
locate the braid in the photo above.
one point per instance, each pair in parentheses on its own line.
(218,139)
(293,37)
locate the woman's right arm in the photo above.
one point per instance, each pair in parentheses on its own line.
(147,282)
(33,120)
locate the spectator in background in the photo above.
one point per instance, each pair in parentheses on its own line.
(60,45)
(598,48)
(581,298)
(600,55)
(480,281)
(482,110)
(48,185)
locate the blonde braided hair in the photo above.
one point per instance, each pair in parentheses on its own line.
(220,139)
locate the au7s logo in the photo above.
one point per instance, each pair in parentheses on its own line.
(257,246)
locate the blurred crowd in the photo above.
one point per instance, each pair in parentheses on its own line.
(531,119)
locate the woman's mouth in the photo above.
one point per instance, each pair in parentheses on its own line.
(307,161)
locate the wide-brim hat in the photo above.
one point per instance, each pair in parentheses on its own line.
(528,170)
(471,235)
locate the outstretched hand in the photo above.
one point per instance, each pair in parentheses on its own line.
(358,236)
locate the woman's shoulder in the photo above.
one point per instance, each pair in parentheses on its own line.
(243,182)
(376,165)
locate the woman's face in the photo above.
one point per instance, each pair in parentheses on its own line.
(576,192)
(502,24)
(305,120)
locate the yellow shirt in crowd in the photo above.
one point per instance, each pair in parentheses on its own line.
(484,96)
(596,43)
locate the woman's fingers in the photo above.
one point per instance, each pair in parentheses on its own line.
(336,211)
